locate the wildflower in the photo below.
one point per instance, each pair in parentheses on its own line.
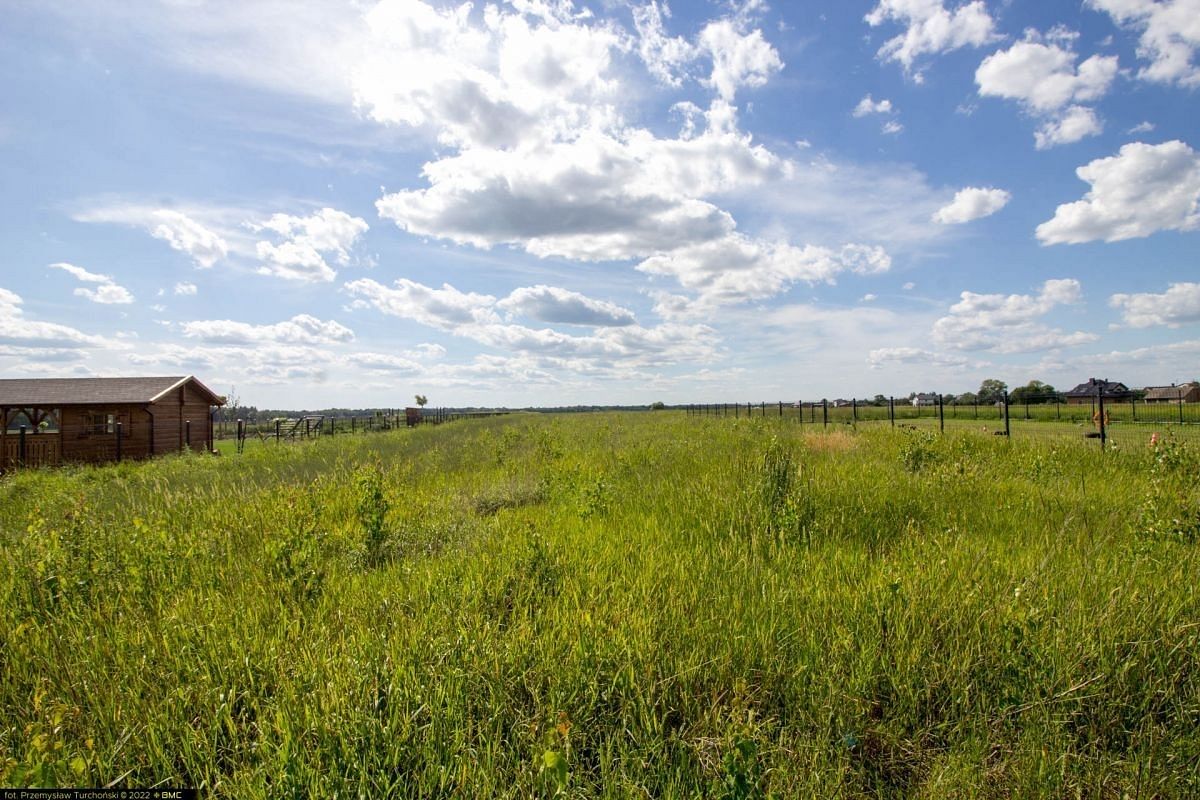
(1154,440)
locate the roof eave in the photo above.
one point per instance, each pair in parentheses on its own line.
(216,399)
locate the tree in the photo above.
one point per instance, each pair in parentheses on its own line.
(879,400)
(231,406)
(657,405)
(992,390)
(1034,392)
(967,399)
(421,400)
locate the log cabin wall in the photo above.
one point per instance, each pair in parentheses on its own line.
(171,414)
(168,424)
(196,408)
(86,436)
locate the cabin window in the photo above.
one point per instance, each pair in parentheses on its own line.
(103,423)
(35,420)
(18,418)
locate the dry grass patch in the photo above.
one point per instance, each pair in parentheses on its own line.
(835,442)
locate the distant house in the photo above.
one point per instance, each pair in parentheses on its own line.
(1087,393)
(102,419)
(923,399)
(841,402)
(1183,393)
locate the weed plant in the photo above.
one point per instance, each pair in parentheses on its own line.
(609,605)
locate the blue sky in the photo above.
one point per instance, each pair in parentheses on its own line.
(543,202)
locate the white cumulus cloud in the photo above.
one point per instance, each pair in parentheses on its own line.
(739,58)
(868,106)
(930,28)
(180,231)
(1011,323)
(553,304)
(598,197)
(300,329)
(306,241)
(446,308)
(1040,73)
(665,56)
(883,356)
(970,204)
(18,331)
(1179,305)
(1073,124)
(385,363)
(511,79)
(1170,36)
(1141,190)
(107,291)
(473,316)
(186,235)
(737,268)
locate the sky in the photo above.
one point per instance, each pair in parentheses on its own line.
(542,202)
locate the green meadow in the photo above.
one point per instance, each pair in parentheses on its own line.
(610,605)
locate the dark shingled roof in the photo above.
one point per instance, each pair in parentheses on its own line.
(1095,385)
(20,392)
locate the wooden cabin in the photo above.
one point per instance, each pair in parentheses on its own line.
(102,419)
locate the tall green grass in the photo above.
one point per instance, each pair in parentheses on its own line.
(610,606)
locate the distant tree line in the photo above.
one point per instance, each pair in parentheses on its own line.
(990,392)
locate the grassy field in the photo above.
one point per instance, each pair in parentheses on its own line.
(610,605)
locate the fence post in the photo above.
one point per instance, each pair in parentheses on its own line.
(1100,401)
(21,447)
(854,410)
(736,411)
(332,426)
(892,410)
(1180,393)
(276,431)
(1133,407)
(941,414)
(119,442)
(1006,428)
(1026,407)
(780,408)
(187,434)
(764,408)
(825,411)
